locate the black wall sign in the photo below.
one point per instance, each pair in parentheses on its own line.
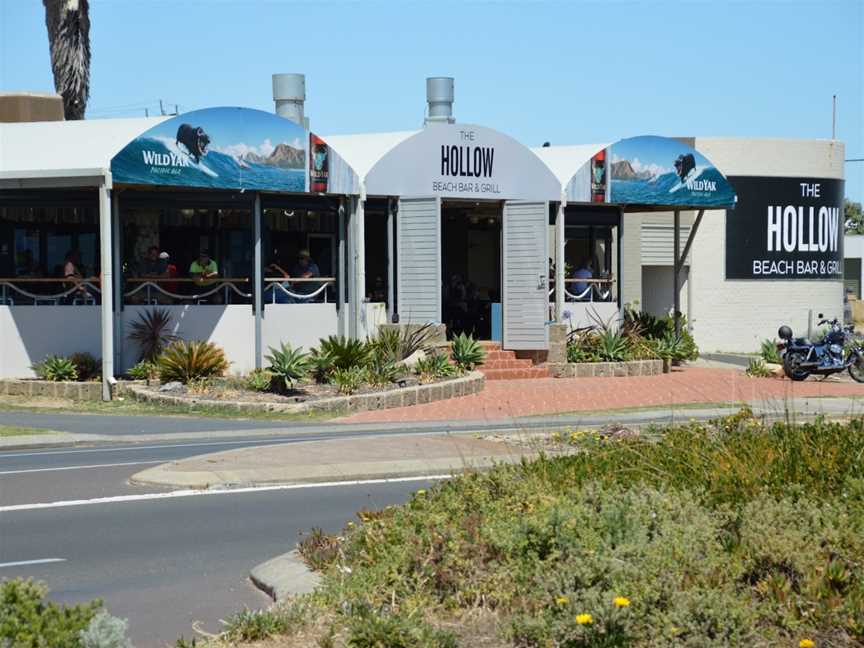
(785,228)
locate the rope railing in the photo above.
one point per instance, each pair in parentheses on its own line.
(81,288)
(279,284)
(594,287)
(149,284)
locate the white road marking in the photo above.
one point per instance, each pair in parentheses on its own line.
(111,465)
(41,561)
(224,491)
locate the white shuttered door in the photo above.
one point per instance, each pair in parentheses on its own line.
(526,270)
(418,240)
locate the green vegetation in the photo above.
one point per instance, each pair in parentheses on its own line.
(152,333)
(188,361)
(345,352)
(640,336)
(56,369)
(434,367)
(259,380)
(758,369)
(349,379)
(86,366)
(769,353)
(467,352)
(288,365)
(734,533)
(27,620)
(14,430)
(144,370)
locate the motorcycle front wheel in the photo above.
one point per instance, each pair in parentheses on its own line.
(791,362)
(856,369)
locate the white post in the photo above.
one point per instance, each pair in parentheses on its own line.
(359,292)
(391,268)
(676,270)
(559,260)
(259,281)
(106,287)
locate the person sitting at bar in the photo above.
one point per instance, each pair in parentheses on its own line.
(274,270)
(305,268)
(151,265)
(73,277)
(580,288)
(170,272)
(204,271)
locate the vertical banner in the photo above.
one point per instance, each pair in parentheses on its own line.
(785,228)
(319,164)
(598,177)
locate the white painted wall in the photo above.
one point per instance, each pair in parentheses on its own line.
(29,333)
(737,315)
(853,248)
(300,325)
(583,314)
(232,327)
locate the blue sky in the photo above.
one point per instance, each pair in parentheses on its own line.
(566,72)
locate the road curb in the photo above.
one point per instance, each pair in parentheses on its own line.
(283,576)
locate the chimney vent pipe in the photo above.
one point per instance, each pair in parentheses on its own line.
(439,98)
(289,94)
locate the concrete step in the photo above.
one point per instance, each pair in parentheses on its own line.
(510,363)
(515,374)
(492,356)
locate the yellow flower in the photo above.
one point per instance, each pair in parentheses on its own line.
(562,600)
(420,492)
(806,643)
(584,619)
(621,601)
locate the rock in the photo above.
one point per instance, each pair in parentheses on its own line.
(411,361)
(775,369)
(408,381)
(173,386)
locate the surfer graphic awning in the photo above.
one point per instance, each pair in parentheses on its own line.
(645,173)
(232,148)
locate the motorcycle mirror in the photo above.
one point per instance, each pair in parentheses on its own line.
(821,316)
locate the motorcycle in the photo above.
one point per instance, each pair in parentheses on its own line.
(838,351)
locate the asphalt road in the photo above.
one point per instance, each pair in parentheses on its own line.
(164,563)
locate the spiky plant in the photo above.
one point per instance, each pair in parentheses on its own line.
(288,365)
(152,333)
(346,352)
(467,352)
(190,361)
(56,369)
(68,23)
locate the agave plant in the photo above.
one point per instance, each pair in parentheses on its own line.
(191,361)
(612,346)
(346,352)
(152,333)
(434,366)
(288,365)
(396,344)
(350,379)
(467,352)
(56,369)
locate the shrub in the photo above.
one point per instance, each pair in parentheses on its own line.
(382,372)
(56,369)
(29,621)
(321,364)
(288,365)
(349,380)
(106,631)
(396,344)
(318,549)
(433,367)
(345,352)
(144,370)
(152,333)
(258,380)
(467,352)
(255,625)
(187,361)
(612,347)
(769,352)
(758,369)
(87,367)
(371,630)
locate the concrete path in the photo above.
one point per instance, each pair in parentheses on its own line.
(332,461)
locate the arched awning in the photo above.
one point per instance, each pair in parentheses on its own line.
(232,148)
(640,173)
(451,161)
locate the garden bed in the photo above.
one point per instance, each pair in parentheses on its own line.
(605,369)
(87,391)
(315,398)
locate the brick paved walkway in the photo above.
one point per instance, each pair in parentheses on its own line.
(514,398)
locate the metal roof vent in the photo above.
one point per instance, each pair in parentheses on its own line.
(289,93)
(439,98)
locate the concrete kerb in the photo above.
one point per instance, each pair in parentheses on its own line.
(284,576)
(605,369)
(471,383)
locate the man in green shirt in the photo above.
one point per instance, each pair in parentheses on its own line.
(204,269)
